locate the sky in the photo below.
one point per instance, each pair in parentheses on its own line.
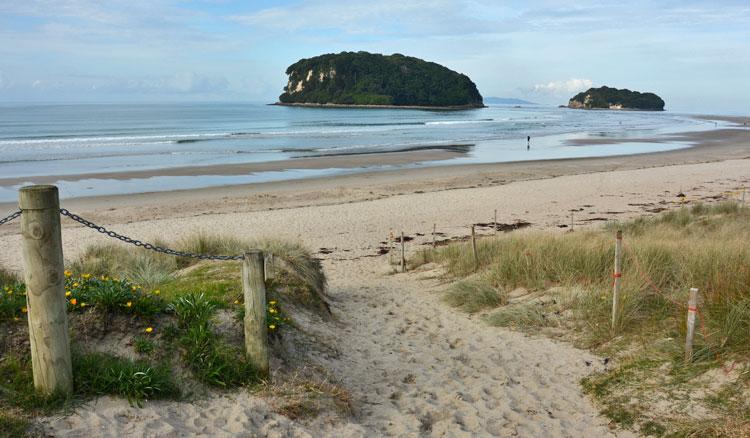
(695,54)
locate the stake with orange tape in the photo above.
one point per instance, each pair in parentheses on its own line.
(692,310)
(618,275)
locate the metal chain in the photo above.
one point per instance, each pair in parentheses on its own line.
(146,245)
(7,219)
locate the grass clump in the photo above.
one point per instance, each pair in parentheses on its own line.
(102,374)
(211,360)
(472,295)
(704,246)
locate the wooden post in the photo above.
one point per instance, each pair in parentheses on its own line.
(692,309)
(45,289)
(474,248)
(617,276)
(494,224)
(403,253)
(267,266)
(434,232)
(256,331)
(391,247)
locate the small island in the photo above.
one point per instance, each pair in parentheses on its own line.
(362,79)
(616,99)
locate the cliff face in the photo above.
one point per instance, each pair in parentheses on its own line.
(613,98)
(361,78)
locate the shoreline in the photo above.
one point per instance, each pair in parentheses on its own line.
(354,106)
(335,160)
(731,144)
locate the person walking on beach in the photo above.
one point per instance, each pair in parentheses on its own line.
(528,142)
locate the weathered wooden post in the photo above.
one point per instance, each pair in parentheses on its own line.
(403,253)
(474,248)
(617,276)
(256,331)
(45,289)
(494,224)
(692,310)
(267,266)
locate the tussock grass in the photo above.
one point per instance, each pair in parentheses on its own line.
(473,295)
(294,264)
(704,246)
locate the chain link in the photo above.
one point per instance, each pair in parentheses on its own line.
(145,245)
(7,219)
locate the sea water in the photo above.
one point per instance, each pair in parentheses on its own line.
(67,140)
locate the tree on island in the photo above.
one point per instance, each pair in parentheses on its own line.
(362,78)
(613,98)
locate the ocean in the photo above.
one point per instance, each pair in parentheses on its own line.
(75,140)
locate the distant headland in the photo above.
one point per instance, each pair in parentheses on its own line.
(362,79)
(616,99)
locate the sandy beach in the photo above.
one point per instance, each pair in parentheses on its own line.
(413,365)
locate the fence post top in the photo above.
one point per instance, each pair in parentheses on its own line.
(619,234)
(250,253)
(38,197)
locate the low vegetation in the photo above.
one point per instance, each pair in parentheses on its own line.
(561,284)
(168,311)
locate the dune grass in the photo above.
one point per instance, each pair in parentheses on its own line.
(294,266)
(705,246)
(171,304)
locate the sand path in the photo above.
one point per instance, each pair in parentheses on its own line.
(417,367)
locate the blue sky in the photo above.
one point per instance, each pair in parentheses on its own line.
(695,54)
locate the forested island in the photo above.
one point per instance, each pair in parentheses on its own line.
(369,79)
(613,98)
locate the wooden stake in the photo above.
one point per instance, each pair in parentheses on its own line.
(256,331)
(403,253)
(45,289)
(494,224)
(618,275)
(692,310)
(391,247)
(267,266)
(474,248)
(434,232)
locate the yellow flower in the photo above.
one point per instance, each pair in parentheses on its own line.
(156,292)
(272,326)
(75,284)
(67,293)
(236,301)
(273,303)
(86,276)
(24,309)
(74,301)
(271,310)
(68,273)
(10,292)
(149,329)
(83,304)
(129,304)
(133,288)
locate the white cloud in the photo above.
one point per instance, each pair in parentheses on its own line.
(562,88)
